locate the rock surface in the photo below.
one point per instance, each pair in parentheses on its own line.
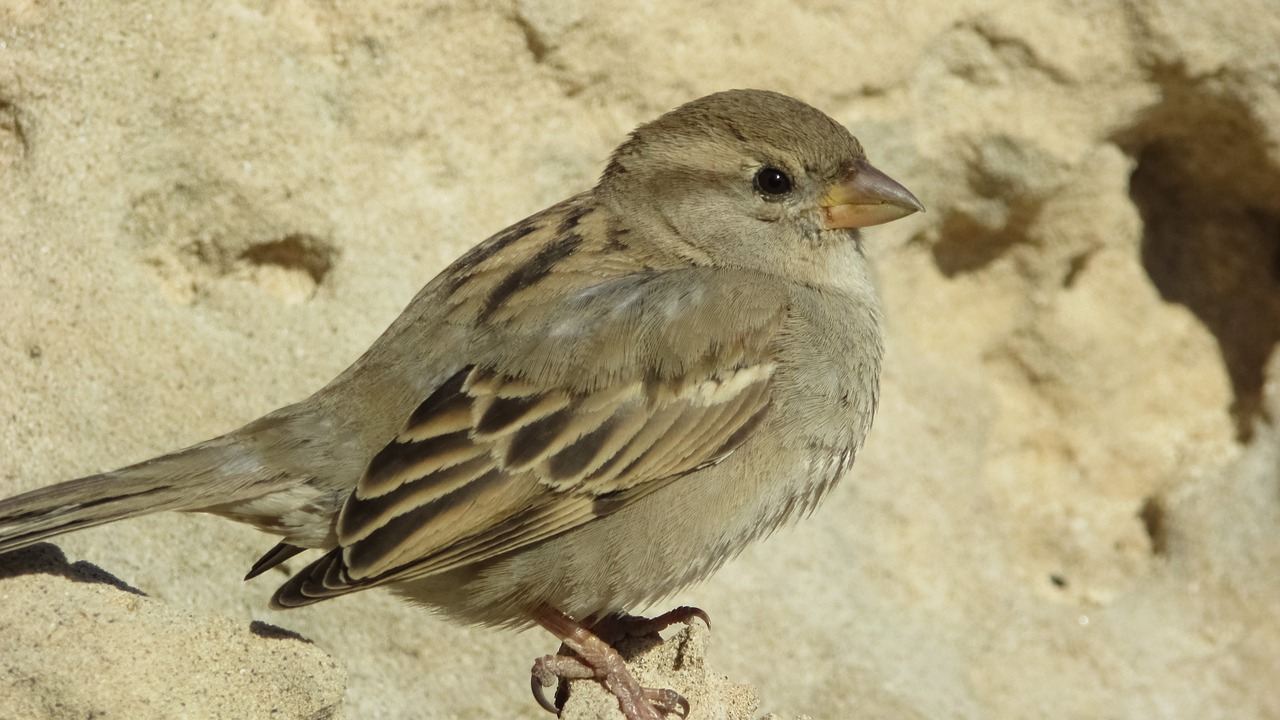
(76,642)
(1069,506)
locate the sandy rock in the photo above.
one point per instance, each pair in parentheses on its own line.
(1068,505)
(76,642)
(683,662)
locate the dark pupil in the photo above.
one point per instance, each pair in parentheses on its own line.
(772,181)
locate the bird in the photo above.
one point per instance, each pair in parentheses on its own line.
(588,411)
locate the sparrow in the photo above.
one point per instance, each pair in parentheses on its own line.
(586,412)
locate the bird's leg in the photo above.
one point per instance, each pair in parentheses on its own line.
(594,658)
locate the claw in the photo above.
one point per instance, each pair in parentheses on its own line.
(680,616)
(549,670)
(614,627)
(667,701)
(540,695)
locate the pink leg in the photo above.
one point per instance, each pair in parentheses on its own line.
(593,657)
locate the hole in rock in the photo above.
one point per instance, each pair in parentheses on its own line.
(1210,206)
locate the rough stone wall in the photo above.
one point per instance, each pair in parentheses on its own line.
(1070,503)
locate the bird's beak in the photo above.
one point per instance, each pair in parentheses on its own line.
(868,197)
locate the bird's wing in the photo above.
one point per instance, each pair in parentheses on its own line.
(603,395)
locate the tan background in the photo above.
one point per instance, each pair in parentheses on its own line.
(1069,506)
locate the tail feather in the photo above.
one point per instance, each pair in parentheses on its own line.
(209,474)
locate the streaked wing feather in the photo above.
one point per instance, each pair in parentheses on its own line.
(626,466)
(361,516)
(418,533)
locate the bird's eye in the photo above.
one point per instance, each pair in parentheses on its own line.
(772,183)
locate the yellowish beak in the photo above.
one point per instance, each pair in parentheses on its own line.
(868,197)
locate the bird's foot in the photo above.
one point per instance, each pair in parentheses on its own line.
(619,625)
(549,670)
(593,657)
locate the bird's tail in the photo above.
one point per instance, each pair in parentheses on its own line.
(206,475)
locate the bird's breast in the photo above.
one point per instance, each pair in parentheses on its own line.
(829,355)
